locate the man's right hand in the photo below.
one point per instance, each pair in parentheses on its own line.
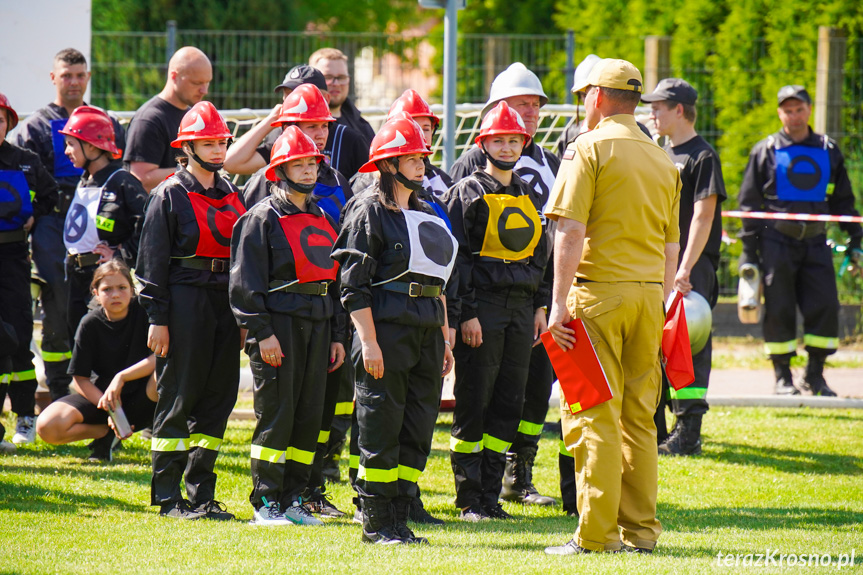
(471,332)
(563,336)
(158,340)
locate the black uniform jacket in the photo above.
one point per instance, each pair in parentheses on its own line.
(34,133)
(171,231)
(329,181)
(373,246)
(758,189)
(514,284)
(261,255)
(121,209)
(350,117)
(43,188)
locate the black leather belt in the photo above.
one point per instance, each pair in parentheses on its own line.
(206,264)
(489,259)
(311,288)
(799,230)
(13,236)
(85,260)
(413,289)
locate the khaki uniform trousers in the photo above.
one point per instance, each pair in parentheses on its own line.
(614,443)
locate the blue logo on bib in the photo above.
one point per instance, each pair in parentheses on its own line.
(15,206)
(802,174)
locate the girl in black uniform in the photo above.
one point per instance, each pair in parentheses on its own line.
(20,172)
(501,262)
(105,217)
(396,258)
(112,343)
(183,265)
(280,273)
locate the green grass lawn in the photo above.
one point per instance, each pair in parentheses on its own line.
(769,479)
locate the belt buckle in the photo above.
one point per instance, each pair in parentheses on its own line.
(217,266)
(324,289)
(415,289)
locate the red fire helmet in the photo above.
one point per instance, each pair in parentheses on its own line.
(305,104)
(502,120)
(293,144)
(399,136)
(202,122)
(92,125)
(413,104)
(13,116)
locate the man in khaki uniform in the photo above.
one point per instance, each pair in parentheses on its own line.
(616,201)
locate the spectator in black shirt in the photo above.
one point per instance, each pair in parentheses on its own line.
(112,343)
(333,64)
(149,153)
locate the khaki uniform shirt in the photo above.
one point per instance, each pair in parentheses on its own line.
(624,188)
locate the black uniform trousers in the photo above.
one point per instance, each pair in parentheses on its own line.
(799,273)
(17,309)
(49,255)
(692,400)
(396,414)
(289,401)
(198,384)
(540,378)
(335,383)
(489,393)
(78,295)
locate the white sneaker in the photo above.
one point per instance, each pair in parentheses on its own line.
(270,514)
(25,430)
(7,448)
(299,515)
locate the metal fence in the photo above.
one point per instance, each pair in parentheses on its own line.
(130,67)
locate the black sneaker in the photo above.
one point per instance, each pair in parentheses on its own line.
(215,510)
(320,504)
(418,514)
(474,514)
(630,549)
(181,509)
(810,385)
(101,449)
(496,512)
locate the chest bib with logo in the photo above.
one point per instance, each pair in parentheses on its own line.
(432,247)
(537,175)
(81,230)
(513,228)
(15,205)
(311,239)
(63,166)
(802,174)
(330,199)
(216,219)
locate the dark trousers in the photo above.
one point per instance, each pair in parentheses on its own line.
(540,378)
(335,384)
(17,309)
(198,384)
(799,274)
(78,295)
(289,401)
(49,255)
(489,393)
(566,465)
(396,413)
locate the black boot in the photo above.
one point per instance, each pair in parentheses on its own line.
(401,507)
(378,522)
(518,479)
(686,437)
(419,514)
(813,382)
(784,381)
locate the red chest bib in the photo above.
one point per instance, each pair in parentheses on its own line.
(216,219)
(311,239)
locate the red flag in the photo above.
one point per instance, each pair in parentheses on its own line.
(676,351)
(582,379)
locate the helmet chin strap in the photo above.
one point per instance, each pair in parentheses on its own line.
(499,164)
(210,167)
(412,185)
(87,160)
(296,186)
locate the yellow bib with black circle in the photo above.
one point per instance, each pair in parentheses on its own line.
(513,228)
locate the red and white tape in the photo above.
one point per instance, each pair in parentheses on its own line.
(793,217)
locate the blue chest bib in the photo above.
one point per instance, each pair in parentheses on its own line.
(802,174)
(63,166)
(15,205)
(330,199)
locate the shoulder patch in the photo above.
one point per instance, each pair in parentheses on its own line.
(569,154)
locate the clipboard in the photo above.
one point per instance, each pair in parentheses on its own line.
(583,382)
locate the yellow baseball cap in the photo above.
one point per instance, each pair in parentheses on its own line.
(611,73)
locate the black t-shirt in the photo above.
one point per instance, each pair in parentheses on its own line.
(154,126)
(107,347)
(701,177)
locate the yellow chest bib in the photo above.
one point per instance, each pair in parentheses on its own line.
(513,228)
